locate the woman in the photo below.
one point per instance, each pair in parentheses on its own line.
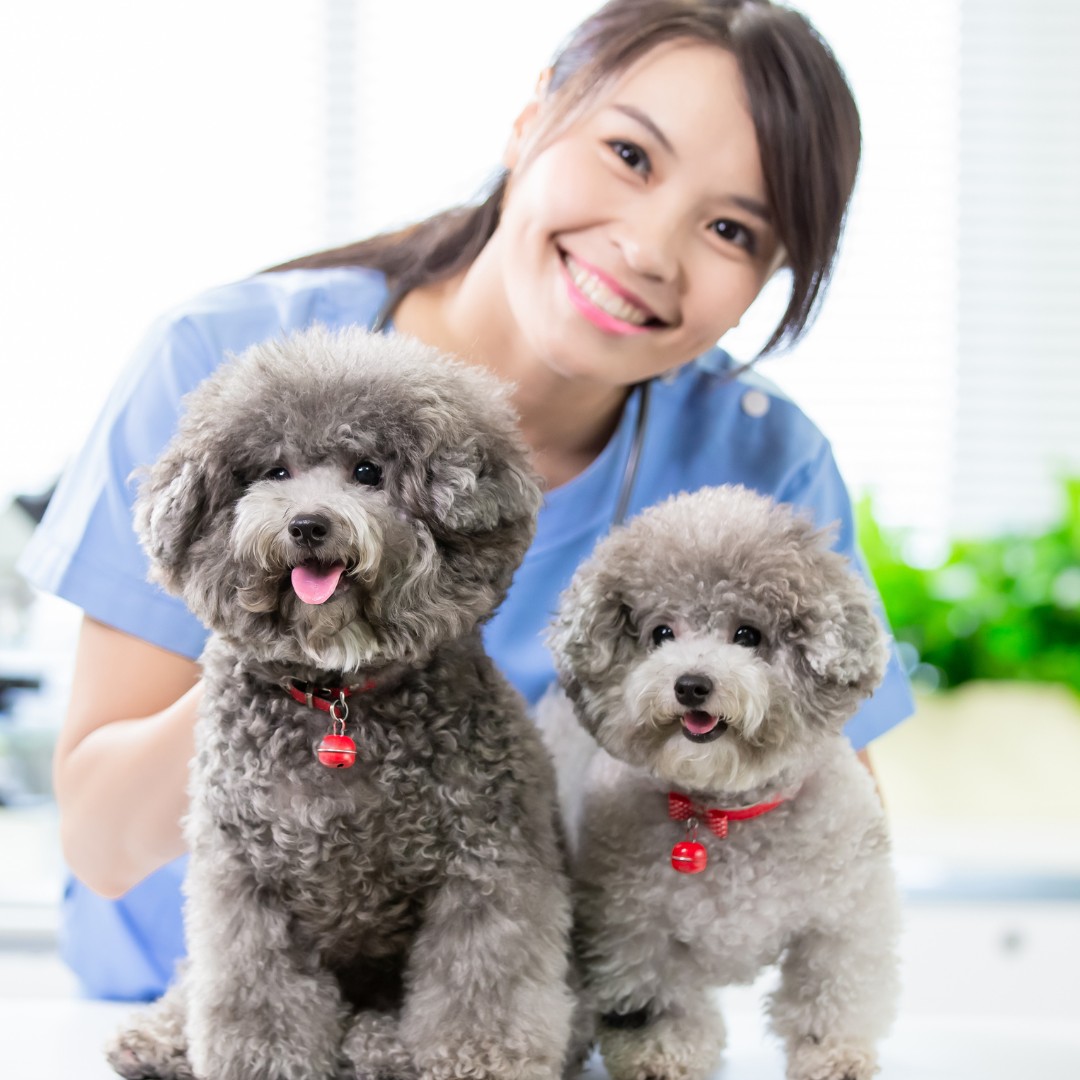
(676,155)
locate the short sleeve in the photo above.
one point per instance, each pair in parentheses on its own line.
(819,488)
(86,550)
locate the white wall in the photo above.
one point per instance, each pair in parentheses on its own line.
(1018,269)
(149,151)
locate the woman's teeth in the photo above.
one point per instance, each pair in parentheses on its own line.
(607,301)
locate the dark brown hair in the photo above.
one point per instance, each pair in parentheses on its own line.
(804,116)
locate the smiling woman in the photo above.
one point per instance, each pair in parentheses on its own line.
(652,241)
(676,153)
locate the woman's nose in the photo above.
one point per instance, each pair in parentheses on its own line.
(649,244)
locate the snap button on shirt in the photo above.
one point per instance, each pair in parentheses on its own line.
(755,403)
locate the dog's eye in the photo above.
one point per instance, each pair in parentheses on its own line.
(662,634)
(278,472)
(367,472)
(747,636)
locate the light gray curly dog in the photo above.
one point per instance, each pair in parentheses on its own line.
(343,511)
(714,648)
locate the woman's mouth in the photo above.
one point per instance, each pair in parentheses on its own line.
(611,311)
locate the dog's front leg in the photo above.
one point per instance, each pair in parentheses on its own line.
(683,1040)
(838,992)
(648,991)
(487,995)
(155,1043)
(258,1008)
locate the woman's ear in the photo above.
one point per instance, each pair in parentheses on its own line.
(525,124)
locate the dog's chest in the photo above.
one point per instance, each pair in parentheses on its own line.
(733,917)
(743,907)
(355,882)
(370,832)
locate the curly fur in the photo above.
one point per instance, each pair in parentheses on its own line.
(809,884)
(407,917)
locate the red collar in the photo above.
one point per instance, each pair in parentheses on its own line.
(682,808)
(328,698)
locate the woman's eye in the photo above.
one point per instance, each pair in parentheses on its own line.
(367,472)
(630,155)
(734,233)
(278,472)
(747,637)
(662,634)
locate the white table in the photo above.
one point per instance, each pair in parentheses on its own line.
(50,1039)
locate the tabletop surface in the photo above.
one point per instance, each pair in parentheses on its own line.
(45,1039)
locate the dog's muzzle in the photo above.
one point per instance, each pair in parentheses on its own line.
(702,727)
(692,691)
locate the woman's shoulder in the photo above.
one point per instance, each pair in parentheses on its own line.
(725,422)
(189,341)
(86,550)
(230,317)
(729,384)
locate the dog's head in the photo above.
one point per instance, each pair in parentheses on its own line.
(716,639)
(340,500)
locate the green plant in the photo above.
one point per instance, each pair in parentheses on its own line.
(1005,607)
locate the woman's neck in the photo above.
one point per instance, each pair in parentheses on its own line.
(566,422)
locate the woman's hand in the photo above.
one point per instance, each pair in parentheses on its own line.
(120,767)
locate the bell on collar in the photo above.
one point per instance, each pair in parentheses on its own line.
(336,751)
(689,857)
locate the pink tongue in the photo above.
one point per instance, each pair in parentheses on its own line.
(698,722)
(315,583)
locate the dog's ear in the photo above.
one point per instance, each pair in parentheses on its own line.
(481,510)
(841,636)
(485,494)
(592,632)
(170,510)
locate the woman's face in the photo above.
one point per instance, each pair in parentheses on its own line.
(638,236)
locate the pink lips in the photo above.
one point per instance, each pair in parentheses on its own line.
(597,316)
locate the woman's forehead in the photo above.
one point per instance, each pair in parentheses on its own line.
(665,74)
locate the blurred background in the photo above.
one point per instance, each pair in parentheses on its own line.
(153,150)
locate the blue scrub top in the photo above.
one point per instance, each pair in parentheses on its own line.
(706,425)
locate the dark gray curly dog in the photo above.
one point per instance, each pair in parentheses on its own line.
(714,649)
(343,511)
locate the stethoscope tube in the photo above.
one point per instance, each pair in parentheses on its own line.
(633,459)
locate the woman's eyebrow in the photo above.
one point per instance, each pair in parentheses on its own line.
(752,206)
(647,121)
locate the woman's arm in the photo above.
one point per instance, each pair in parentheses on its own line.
(864,759)
(120,768)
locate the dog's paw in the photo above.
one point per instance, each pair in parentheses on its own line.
(488,1059)
(638,1047)
(137,1056)
(831,1059)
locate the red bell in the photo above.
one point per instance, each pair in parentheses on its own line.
(689,857)
(336,752)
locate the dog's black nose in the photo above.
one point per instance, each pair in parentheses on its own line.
(309,529)
(692,690)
